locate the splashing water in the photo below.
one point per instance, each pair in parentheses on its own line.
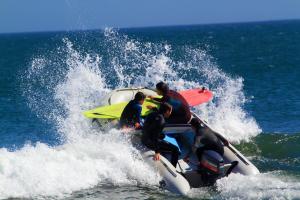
(260,186)
(271,185)
(41,170)
(64,83)
(141,64)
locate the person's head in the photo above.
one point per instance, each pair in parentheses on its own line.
(165,109)
(139,97)
(162,88)
(195,123)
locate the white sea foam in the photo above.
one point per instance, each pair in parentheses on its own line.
(271,185)
(262,186)
(77,81)
(41,170)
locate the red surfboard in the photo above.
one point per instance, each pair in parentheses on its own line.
(198,96)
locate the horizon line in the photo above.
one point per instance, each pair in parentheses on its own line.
(145,27)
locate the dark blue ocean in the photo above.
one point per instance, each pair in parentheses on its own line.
(48,149)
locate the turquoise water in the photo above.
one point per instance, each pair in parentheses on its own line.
(49,150)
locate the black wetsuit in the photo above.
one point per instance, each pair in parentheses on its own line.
(181,112)
(131,114)
(208,141)
(153,137)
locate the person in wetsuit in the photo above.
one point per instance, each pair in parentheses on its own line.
(205,139)
(131,115)
(181,112)
(152,136)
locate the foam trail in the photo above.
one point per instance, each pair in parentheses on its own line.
(261,186)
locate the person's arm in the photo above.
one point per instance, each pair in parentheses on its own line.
(160,100)
(137,116)
(156,100)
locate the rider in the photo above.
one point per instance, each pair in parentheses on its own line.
(204,140)
(181,112)
(152,133)
(131,115)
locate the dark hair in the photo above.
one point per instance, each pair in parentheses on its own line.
(195,123)
(139,96)
(163,87)
(164,107)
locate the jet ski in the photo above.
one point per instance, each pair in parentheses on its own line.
(186,175)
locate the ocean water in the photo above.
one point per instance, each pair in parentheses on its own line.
(49,150)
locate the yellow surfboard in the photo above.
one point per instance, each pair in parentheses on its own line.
(114,111)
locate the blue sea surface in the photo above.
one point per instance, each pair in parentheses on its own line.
(48,79)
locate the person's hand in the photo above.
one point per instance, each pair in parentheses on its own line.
(226,143)
(126,130)
(150,97)
(137,125)
(186,159)
(156,157)
(150,107)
